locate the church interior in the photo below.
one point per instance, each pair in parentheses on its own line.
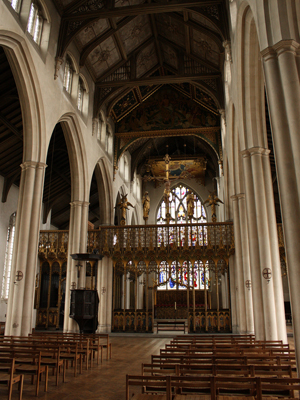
(149,171)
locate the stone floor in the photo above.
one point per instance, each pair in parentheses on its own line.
(106,381)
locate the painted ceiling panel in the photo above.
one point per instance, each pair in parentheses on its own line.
(171,29)
(170,56)
(135,32)
(104,56)
(93,30)
(205,47)
(146,60)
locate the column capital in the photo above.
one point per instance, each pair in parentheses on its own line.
(77,203)
(33,164)
(227,46)
(279,48)
(255,151)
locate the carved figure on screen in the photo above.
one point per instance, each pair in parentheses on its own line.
(213,201)
(190,204)
(146,206)
(124,205)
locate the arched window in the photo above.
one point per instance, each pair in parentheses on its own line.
(35,22)
(176,276)
(68,75)
(178,207)
(16,5)
(8,257)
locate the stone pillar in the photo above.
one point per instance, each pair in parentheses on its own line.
(275,256)
(83,242)
(239,279)
(105,290)
(256,278)
(233,299)
(75,235)
(246,262)
(282,70)
(262,210)
(21,296)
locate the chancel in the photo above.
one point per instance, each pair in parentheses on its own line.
(161,140)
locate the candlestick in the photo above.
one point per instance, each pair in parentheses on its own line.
(175,305)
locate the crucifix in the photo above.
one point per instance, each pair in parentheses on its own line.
(167,183)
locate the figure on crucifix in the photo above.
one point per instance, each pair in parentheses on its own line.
(213,201)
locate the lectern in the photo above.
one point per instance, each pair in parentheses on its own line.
(84,302)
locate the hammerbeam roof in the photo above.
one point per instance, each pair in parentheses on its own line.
(132,43)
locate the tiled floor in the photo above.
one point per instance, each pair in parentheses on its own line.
(106,381)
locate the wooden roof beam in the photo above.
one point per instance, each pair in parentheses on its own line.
(145,8)
(157,80)
(11,127)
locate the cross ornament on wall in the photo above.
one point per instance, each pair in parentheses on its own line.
(267,274)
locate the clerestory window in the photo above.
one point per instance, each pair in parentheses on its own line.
(8,257)
(16,5)
(35,22)
(68,75)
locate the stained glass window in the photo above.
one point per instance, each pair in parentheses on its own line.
(178,276)
(178,207)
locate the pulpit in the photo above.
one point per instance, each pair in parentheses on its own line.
(84,309)
(84,302)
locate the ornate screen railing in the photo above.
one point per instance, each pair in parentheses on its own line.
(138,242)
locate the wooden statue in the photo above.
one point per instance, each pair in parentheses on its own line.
(124,205)
(190,204)
(146,206)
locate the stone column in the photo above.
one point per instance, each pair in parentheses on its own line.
(282,70)
(264,243)
(256,278)
(21,297)
(83,242)
(74,247)
(246,262)
(239,281)
(276,264)
(105,295)
(233,297)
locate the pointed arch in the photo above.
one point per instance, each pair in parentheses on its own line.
(31,101)
(77,157)
(104,183)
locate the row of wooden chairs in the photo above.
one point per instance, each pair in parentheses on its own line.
(103,339)
(35,354)
(233,366)
(211,387)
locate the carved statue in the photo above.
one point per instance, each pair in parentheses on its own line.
(124,205)
(146,205)
(190,204)
(212,202)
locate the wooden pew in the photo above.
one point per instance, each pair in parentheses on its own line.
(9,376)
(213,388)
(28,362)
